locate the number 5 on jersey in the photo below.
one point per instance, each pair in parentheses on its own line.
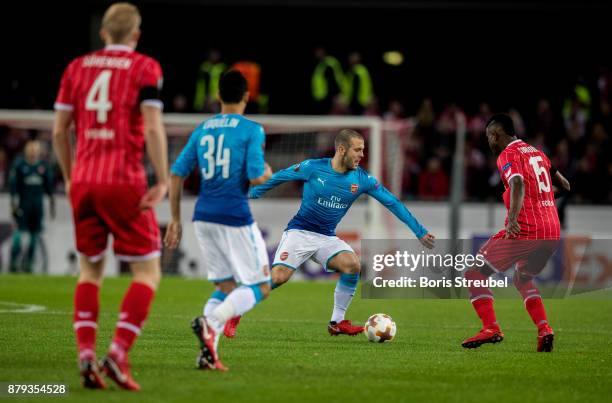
(213,159)
(538,170)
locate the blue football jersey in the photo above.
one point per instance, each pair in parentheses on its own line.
(229,151)
(328,195)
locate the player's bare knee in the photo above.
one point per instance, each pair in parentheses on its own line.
(91,272)
(147,272)
(346,263)
(281,274)
(226,286)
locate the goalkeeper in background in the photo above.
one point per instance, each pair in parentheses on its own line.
(29,179)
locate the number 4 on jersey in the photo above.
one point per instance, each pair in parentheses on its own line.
(97,97)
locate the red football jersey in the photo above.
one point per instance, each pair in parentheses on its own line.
(538,218)
(103,89)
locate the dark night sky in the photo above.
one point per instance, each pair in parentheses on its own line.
(508,56)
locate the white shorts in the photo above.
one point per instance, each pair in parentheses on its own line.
(297,246)
(237,253)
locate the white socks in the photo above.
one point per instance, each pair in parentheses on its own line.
(342,300)
(237,303)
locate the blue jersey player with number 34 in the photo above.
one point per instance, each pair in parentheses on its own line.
(331,185)
(228,151)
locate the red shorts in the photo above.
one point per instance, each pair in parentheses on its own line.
(530,256)
(100,210)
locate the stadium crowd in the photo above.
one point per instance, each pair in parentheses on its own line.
(576,136)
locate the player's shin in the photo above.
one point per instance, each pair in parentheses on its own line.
(481,299)
(86,308)
(134,312)
(238,302)
(216,298)
(343,295)
(531,298)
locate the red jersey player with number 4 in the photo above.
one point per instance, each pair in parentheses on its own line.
(530,236)
(113,97)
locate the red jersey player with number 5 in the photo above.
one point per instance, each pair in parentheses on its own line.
(531,234)
(113,97)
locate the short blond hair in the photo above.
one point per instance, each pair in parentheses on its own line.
(120,20)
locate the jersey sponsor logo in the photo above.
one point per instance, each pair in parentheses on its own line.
(334,203)
(322,181)
(33,180)
(507,166)
(284,255)
(354,187)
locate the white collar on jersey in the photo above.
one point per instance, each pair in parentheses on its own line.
(512,142)
(122,48)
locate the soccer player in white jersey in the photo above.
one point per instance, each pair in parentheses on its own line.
(228,150)
(331,185)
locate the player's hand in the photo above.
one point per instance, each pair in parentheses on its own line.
(174,232)
(154,195)
(512,229)
(268,170)
(428,241)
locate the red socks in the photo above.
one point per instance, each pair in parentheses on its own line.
(485,311)
(85,317)
(134,311)
(482,299)
(532,299)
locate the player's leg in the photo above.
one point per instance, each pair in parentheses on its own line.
(85,320)
(33,240)
(280,275)
(532,299)
(222,289)
(336,255)
(136,241)
(15,251)
(34,217)
(91,238)
(499,255)
(247,255)
(482,301)
(294,248)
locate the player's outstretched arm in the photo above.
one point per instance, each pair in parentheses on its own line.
(517,195)
(157,150)
(393,204)
(61,144)
(298,172)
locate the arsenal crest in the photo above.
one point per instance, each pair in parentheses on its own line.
(354,188)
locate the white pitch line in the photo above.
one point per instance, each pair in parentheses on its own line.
(16,307)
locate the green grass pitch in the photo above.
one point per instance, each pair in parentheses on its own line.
(282,351)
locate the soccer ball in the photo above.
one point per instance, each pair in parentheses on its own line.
(380,328)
